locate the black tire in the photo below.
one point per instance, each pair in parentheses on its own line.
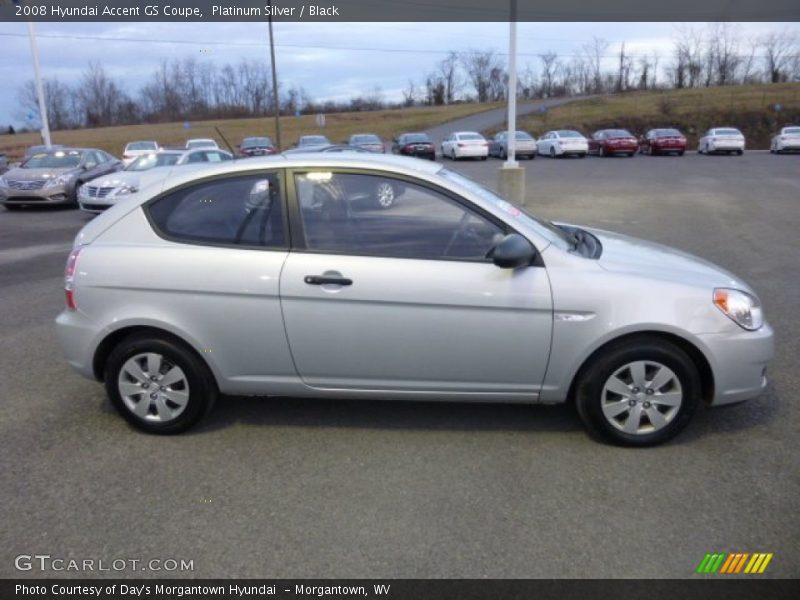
(680,152)
(12,207)
(601,152)
(739,152)
(483,157)
(503,154)
(593,377)
(201,384)
(631,154)
(552,152)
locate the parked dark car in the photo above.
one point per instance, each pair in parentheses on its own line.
(525,145)
(608,142)
(313,140)
(663,141)
(368,141)
(54,176)
(257,146)
(41,148)
(414,144)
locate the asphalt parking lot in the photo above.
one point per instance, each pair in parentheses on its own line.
(303,488)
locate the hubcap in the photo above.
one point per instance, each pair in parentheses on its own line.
(641,397)
(385,194)
(152,388)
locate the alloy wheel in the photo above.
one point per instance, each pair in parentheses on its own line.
(153,388)
(641,397)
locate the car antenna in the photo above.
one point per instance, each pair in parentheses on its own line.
(224,139)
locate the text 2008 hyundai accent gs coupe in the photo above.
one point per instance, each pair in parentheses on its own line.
(281,276)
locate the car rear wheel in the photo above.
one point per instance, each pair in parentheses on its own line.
(158,385)
(638,393)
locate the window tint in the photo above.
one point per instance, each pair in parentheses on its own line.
(243,210)
(343,213)
(197,157)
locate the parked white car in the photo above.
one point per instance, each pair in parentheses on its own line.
(563,142)
(787,140)
(99,194)
(134,150)
(721,139)
(201,143)
(465,144)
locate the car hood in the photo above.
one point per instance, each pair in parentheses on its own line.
(117,179)
(625,254)
(37,174)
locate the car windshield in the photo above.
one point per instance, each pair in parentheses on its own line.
(470,136)
(53,160)
(618,133)
(792,130)
(141,146)
(416,138)
(149,161)
(313,140)
(366,139)
(545,228)
(256,142)
(568,133)
(667,133)
(727,132)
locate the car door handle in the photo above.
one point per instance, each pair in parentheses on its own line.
(324,280)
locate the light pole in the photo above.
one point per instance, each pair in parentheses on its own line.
(275,97)
(511,177)
(39,88)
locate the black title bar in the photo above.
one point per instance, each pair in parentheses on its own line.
(398,10)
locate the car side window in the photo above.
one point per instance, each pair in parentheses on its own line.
(197,157)
(349,213)
(243,210)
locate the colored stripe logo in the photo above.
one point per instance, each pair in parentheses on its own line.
(734,563)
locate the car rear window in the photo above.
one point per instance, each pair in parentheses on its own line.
(416,138)
(470,136)
(667,133)
(792,130)
(366,139)
(235,211)
(568,133)
(142,146)
(727,132)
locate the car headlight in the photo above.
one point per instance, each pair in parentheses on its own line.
(60,180)
(126,189)
(742,308)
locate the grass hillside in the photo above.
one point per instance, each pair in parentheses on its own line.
(338,127)
(751,108)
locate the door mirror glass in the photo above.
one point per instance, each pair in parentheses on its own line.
(512,252)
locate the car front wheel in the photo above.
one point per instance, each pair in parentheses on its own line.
(638,393)
(158,385)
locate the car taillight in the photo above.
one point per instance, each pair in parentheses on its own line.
(69,279)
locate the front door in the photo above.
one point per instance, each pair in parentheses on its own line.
(402,299)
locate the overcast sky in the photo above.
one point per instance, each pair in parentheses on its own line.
(310,55)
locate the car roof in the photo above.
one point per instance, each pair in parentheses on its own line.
(466,132)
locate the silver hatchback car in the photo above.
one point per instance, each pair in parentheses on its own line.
(284,276)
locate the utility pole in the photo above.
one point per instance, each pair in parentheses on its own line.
(511,177)
(275,96)
(39,87)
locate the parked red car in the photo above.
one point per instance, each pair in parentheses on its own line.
(663,141)
(608,142)
(257,146)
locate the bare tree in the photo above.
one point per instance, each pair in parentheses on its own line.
(448,72)
(481,68)
(410,93)
(595,52)
(550,67)
(779,50)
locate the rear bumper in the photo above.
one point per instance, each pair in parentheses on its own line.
(739,363)
(472,151)
(76,336)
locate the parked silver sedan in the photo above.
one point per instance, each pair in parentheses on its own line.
(267,277)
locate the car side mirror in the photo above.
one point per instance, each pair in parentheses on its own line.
(512,252)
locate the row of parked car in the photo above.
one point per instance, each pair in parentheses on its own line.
(94,179)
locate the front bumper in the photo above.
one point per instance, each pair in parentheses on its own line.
(59,194)
(739,363)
